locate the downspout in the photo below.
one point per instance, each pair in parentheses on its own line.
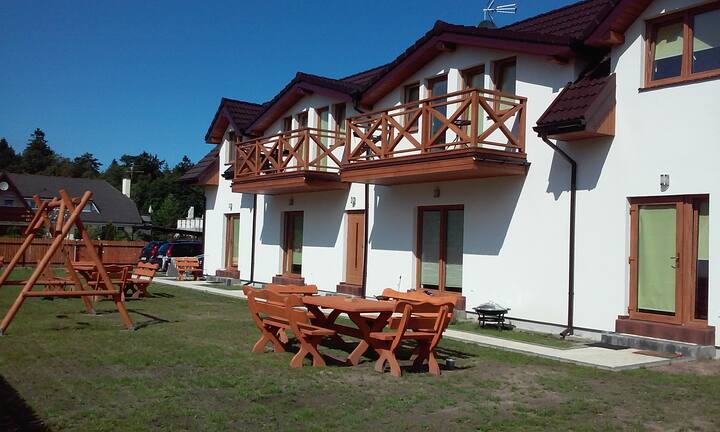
(366,218)
(571,249)
(252,246)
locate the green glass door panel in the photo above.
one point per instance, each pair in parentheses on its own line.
(235,241)
(297,243)
(324,137)
(454,251)
(657,249)
(430,247)
(438,88)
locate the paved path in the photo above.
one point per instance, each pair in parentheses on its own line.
(601,358)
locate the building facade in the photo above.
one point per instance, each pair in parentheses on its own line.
(451,168)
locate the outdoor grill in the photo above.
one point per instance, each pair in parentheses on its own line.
(491,312)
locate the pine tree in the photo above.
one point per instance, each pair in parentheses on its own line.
(8,157)
(37,157)
(86,166)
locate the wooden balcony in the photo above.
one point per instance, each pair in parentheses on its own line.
(301,160)
(467,134)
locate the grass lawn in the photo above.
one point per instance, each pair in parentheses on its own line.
(516,335)
(188,367)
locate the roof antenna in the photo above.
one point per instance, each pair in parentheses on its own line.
(491,9)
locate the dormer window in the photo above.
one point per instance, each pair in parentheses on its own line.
(684,46)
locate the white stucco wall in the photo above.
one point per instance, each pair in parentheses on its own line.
(671,131)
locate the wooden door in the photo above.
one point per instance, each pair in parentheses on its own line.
(669,259)
(293,244)
(355,247)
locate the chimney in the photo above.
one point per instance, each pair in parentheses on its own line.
(126,187)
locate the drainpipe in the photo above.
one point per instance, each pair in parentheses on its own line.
(365,249)
(571,249)
(366,220)
(252,246)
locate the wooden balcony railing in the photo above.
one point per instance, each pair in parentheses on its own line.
(306,149)
(460,121)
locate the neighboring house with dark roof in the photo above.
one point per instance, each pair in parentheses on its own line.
(562,165)
(107,205)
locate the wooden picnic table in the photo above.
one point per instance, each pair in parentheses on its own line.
(359,310)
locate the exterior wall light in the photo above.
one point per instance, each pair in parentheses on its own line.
(230,206)
(664,182)
(436,192)
(353,201)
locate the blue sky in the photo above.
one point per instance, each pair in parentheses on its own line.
(115,77)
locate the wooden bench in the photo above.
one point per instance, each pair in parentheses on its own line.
(140,278)
(301,290)
(118,274)
(273,313)
(423,322)
(188,265)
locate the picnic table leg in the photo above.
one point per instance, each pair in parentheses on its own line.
(327,321)
(267,336)
(308,347)
(378,324)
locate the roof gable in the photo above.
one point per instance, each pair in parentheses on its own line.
(444,37)
(304,84)
(231,112)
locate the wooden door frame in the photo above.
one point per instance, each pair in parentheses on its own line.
(288,238)
(229,231)
(686,245)
(360,240)
(443,209)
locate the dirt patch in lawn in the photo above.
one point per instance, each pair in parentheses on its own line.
(702,367)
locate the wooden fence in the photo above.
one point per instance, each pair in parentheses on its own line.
(111,252)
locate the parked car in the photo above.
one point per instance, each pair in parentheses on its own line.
(176,248)
(151,250)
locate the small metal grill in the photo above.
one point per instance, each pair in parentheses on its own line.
(491,312)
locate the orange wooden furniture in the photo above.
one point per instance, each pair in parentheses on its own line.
(302,290)
(423,322)
(140,278)
(188,265)
(357,309)
(118,274)
(273,312)
(57,217)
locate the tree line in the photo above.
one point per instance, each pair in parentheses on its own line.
(155,185)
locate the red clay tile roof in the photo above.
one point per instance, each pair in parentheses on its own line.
(241,114)
(576,21)
(196,171)
(574,102)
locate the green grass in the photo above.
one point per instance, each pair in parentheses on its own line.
(189,367)
(516,335)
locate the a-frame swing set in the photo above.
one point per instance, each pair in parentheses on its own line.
(59,216)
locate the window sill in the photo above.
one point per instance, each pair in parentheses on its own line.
(707,76)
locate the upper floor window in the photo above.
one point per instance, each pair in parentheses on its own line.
(411,93)
(684,46)
(505,78)
(230,150)
(340,116)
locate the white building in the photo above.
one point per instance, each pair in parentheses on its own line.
(444,169)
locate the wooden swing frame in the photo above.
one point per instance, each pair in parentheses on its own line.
(68,216)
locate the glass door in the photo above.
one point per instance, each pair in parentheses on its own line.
(440,248)
(232,243)
(669,259)
(323,122)
(658,259)
(293,243)
(438,87)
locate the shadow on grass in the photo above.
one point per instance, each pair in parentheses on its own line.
(15,414)
(404,354)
